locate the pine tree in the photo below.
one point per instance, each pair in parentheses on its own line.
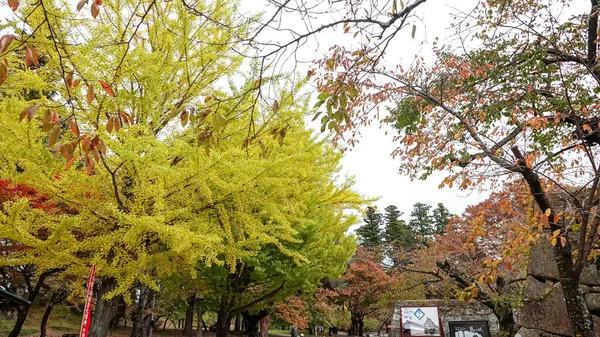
(441,216)
(397,232)
(370,233)
(421,220)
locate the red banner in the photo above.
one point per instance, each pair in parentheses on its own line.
(87,311)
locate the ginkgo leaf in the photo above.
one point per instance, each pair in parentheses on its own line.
(5,41)
(13,4)
(107,88)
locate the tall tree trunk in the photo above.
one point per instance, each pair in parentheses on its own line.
(238,322)
(252,322)
(199,313)
(23,310)
(579,315)
(57,297)
(224,318)
(188,328)
(119,313)
(104,310)
(356,327)
(21,317)
(142,316)
(264,326)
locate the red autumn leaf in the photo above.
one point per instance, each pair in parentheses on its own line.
(95,10)
(80,4)
(101,146)
(107,88)
(109,125)
(90,94)
(99,2)
(13,4)
(70,163)
(3,73)
(29,112)
(5,41)
(76,82)
(54,135)
(31,56)
(69,79)
(116,123)
(74,127)
(53,117)
(47,127)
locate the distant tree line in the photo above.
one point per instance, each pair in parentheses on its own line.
(387,227)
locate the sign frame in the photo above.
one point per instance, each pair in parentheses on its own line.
(441,332)
(453,324)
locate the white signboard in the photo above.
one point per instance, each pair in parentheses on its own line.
(420,321)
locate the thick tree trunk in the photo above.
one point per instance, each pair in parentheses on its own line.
(104,309)
(223,318)
(188,328)
(142,316)
(57,297)
(119,313)
(21,316)
(357,325)
(264,326)
(252,322)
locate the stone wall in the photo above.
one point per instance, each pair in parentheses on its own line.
(454,310)
(544,312)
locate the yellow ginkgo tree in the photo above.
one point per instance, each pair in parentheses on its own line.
(174,162)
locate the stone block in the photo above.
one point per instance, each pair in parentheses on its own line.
(592,301)
(544,308)
(541,262)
